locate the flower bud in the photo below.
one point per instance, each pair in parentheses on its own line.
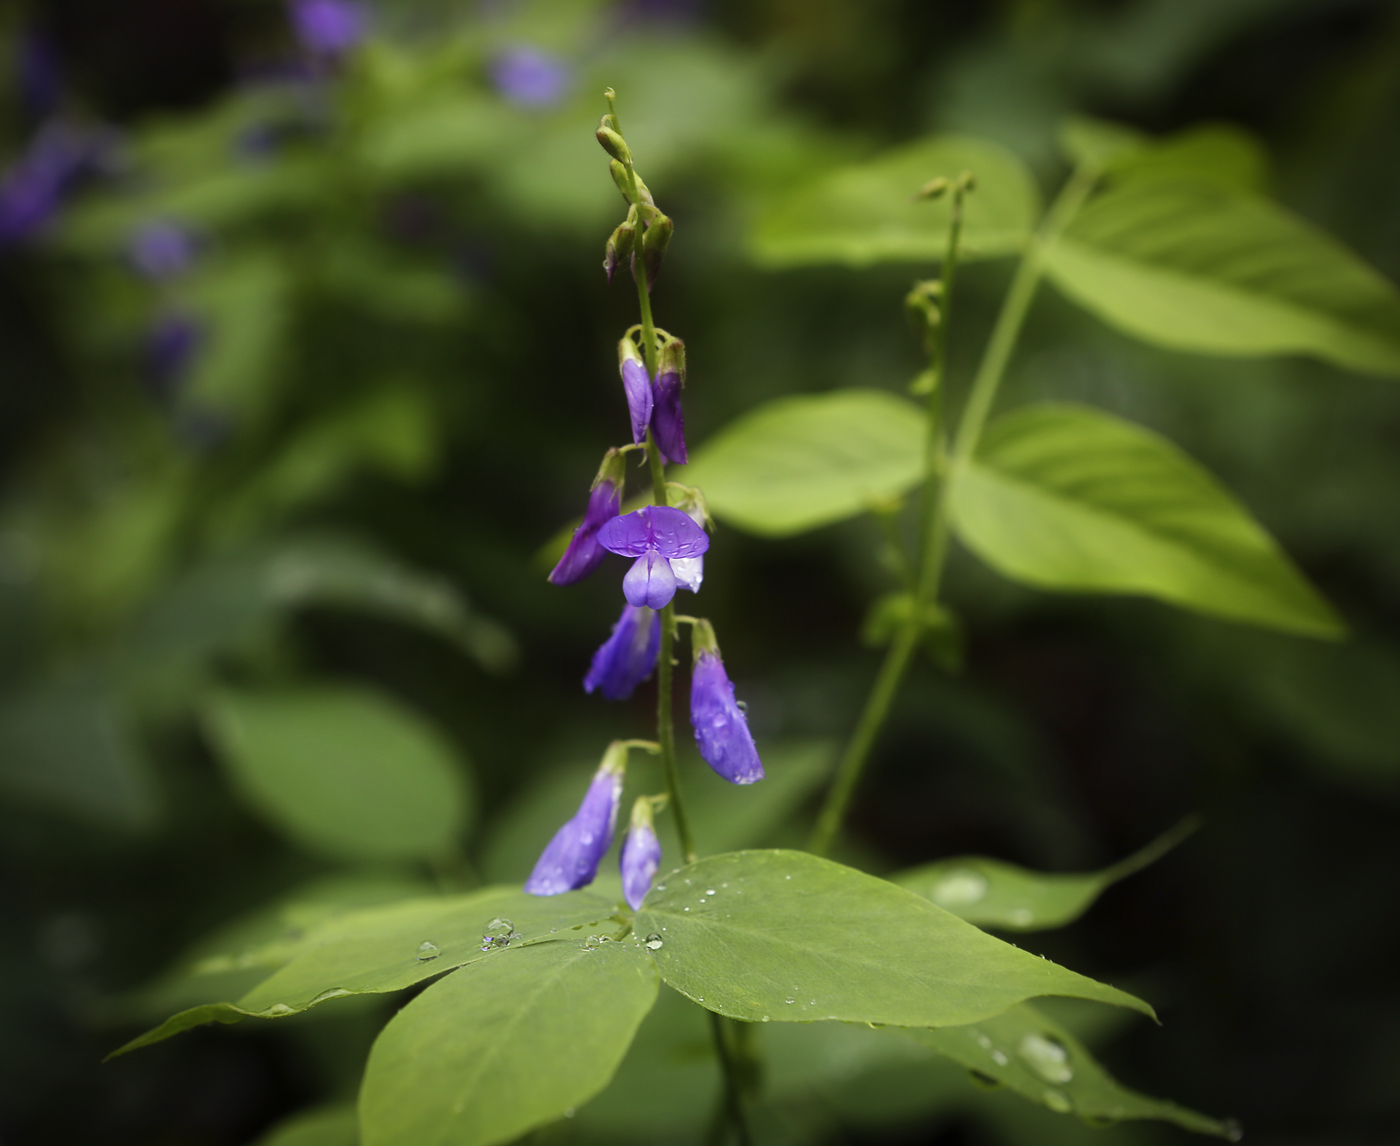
(636,384)
(654,244)
(721,728)
(620,243)
(571,858)
(641,853)
(612,142)
(584,554)
(627,657)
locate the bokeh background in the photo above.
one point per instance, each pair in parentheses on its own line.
(307,356)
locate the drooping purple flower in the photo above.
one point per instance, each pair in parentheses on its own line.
(171,343)
(529,77)
(641,854)
(721,728)
(653,535)
(328,27)
(640,398)
(160,249)
(33,187)
(667,421)
(584,554)
(571,858)
(627,657)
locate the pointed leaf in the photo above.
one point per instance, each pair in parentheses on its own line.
(797,463)
(787,936)
(512,1043)
(1070,498)
(866,213)
(992,893)
(1199,266)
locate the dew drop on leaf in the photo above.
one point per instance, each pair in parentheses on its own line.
(427,951)
(1047,1057)
(963,885)
(653,943)
(1058,1101)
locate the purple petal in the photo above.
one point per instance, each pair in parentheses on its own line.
(571,858)
(328,27)
(584,554)
(721,728)
(627,657)
(629,535)
(641,856)
(529,77)
(667,423)
(650,581)
(674,533)
(637,387)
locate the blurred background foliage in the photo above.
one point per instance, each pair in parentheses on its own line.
(306,357)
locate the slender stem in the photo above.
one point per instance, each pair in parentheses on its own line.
(733,1095)
(934,526)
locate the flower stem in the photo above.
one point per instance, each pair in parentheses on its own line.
(933,549)
(733,1100)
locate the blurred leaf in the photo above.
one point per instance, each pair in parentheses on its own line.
(746,932)
(1198,267)
(992,893)
(1070,498)
(381,949)
(387,284)
(1096,141)
(866,213)
(321,1126)
(515,1042)
(1025,1051)
(1218,153)
(343,771)
(64,748)
(453,133)
(797,463)
(725,816)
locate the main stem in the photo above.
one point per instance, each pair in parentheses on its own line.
(934,524)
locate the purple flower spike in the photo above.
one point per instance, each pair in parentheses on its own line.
(32,189)
(667,421)
(328,27)
(653,535)
(529,77)
(641,854)
(571,858)
(640,398)
(584,554)
(627,657)
(650,581)
(721,728)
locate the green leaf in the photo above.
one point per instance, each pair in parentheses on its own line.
(796,463)
(1070,498)
(1026,1051)
(787,936)
(381,949)
(515,1042)
(1216,153)
(992,893)
(866,213)
(344,771)
(1085,140)
(1195,266)
(322,1126)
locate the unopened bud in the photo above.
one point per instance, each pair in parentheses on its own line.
(967,181)
(673,358)
(613,143)
(620,244)
(933,188)
(654,244)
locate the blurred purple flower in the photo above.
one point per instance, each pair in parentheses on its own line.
(721,728)
(571,858)
(641,854)
(652,535)
(33,187)
(627,657)
(529,77)
(171,343)
(161,250)
(328,27)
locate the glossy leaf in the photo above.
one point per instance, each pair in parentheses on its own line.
(784,935)
(344,771)
(1195,266)
(993,893)
(1026,1051)
(382,949)
(1070,498)
(512,1043)
(866,213)
(797,463)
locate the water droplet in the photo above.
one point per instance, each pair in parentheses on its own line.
(962,885)
(653,943)
(279,1009)
(812,1003)
(1046,1056)
(687,909)
(1058,1101)
(709,891)
(789,1000)
(787,877)
(1023,917)
(498,933)
(702,899)
(427,951)
(999,1058)
(660,887)
(593,942)
(982,1040)
(764,1019)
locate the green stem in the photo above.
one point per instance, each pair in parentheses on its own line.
(934,525)
(733,1095)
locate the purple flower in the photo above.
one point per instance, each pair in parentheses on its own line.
(641,854)
(721,728)
(32,188)
(640,399)
(160,250)
(653,535)
(529,77)
(584,554)
(690,571)
(666,420)
(171,343)
(328,27)
(627,657)
(571,858)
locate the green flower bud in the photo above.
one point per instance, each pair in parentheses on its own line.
(654,244)
(612,142)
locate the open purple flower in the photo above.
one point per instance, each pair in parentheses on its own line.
(721,728)
(571,858)
(653,535)
(641,854)
(584,554)
(627,657)
(328,27)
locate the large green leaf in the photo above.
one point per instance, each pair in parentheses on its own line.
(796,463)
(1067,497)
(1198,266)
(322,1126)
(345,771)
(1026,1051)
(510,1044)
(785,935)
(993,893)
(866,213)
(389,948)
